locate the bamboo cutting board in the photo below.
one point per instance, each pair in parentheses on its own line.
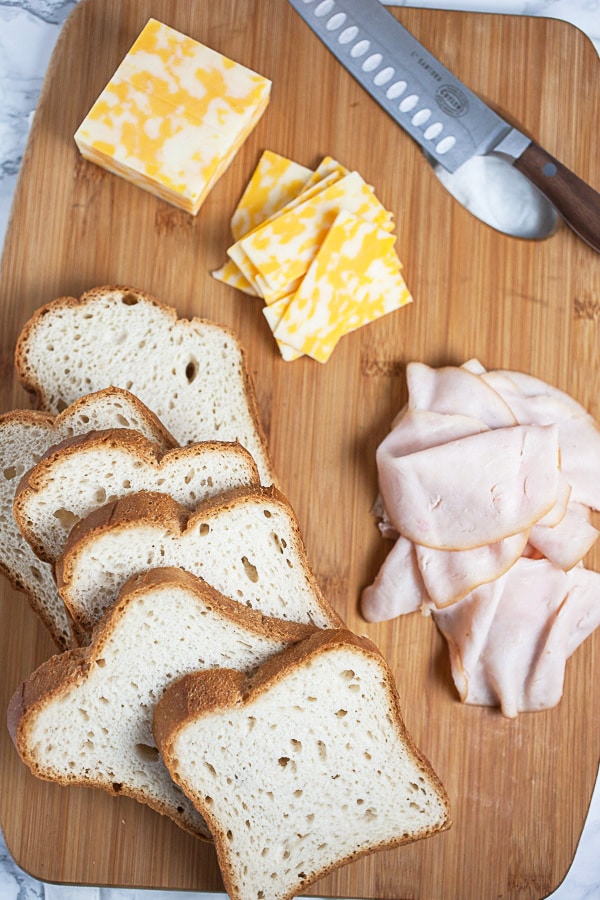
(519,789)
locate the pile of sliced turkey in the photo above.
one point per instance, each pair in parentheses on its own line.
(487,481)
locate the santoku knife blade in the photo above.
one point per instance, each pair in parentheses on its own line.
(450,122)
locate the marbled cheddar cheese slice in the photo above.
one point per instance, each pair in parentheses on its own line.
(277,185)
(354,279)
(231,275)
(173,116)
(273,313)
(283,249)
(238,256)
(275,181)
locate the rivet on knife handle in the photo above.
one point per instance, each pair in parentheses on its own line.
(577,203)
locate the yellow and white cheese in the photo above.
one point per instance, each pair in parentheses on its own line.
(318,250)
(173,116)
(354,279)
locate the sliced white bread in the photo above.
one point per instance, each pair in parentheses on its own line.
(191,373)
(247,544)
(85,472)
(299,767)
(85,716)
(25,436)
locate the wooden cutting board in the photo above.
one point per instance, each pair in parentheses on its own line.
(519,789)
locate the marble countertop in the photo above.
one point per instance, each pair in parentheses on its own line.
(28,32)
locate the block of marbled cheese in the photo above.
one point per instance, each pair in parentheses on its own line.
(173,116)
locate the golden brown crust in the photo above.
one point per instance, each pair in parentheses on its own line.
(149,453)
(152,507)
(48,679)
(206,692)
(238,613)
(55,426)
(32,386)
(62,671)
(24,375)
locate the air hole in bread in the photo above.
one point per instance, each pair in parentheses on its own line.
(283,761)
(296,745)
(147,752)
(341,713)
(100,662)
(229,834)
(35,573)
(100,496)
(267,513)
(60,405)
(10,472)
(129,299)
(204,528)
(250,570)
(322,749)
(191,370)
(117,786)
(123,421)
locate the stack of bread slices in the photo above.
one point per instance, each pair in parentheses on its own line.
(200,668)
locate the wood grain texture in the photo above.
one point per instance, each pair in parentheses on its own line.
(519,789)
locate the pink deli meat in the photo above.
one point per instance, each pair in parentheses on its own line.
(487,482)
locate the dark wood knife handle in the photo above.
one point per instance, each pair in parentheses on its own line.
(577,203)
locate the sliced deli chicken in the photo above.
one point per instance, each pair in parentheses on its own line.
(513,481)
(488,482)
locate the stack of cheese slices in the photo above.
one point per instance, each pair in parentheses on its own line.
(318,247)
(201,670)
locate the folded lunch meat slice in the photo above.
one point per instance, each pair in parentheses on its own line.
(535,402)
(419,429)
(475,490)
(436,390)
(449,575)
(398,588)
(509,641)
(567,542)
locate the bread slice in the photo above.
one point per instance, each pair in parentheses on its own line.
(300,766)
(85,472)
(247,544)
(25,436)
(191,373)
(85,716)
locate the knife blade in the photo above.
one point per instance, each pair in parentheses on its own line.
(445,117)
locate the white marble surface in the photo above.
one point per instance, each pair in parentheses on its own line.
(28,32)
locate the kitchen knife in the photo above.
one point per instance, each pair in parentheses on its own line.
(449,121)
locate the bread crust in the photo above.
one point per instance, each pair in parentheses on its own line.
(160,509)
(147,453)
(30,380)
(62,672)
(208,692)
(50,610)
